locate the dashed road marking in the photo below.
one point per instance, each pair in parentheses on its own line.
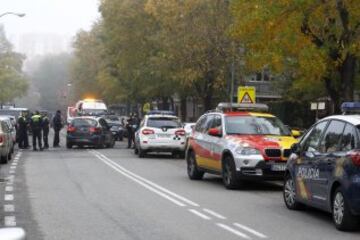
(10,221)
(12,171)
(177,199)
(199,214)
(12,167)
(9,208)
(9,197)
(250,230)
(213,213)
(9,188)
(232,230)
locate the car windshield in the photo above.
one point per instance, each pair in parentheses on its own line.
(84,122)
(163,122)
(255,125)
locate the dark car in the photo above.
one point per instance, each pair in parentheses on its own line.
(89,131)
(116,127)
(324,170)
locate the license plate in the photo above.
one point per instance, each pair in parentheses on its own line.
(163,135)
(278,167)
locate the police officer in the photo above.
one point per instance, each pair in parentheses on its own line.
(45,129)
(36,127)
(129,128)
(23,131)
(57,125)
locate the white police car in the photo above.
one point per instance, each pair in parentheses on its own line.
(160,131)
(324,169)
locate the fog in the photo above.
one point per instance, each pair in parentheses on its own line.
(49,25)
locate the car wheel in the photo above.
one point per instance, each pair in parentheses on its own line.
(69,145)
(4,159)
(342,216)
(192,170)
(9,156)
(289,194)
(229,174)
(141,153)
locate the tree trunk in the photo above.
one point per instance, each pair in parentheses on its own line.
(347,74)
(209,90)
(183,108)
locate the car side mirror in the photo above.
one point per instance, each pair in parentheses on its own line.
(295,148)
(214,132)
(295,133)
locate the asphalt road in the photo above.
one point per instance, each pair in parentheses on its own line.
(112,194)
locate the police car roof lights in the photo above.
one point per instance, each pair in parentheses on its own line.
(350,108)
(238,107)
(161,112)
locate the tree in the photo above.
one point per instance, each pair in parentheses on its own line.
(315,42)
(12,80)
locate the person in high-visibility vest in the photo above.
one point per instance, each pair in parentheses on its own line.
(45,129)
(23,131)
(36,127)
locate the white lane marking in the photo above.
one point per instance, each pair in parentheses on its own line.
(232,230)
(199,214)
(9,197)
(250,230)
(9,208)
(9,188)
(180,204)
(181,198)
(13,167)
(215,214)
(12,171)
(10,221)
(14,164)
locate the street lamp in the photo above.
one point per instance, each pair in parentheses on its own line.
(13,13)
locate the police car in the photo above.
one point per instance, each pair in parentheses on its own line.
(160,131)
(324,169)
(239,142)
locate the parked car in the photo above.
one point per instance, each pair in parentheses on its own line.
(89,131)
(11,121)
(116,127)
(324,170)
(239,142)
(160,133)
(6,141)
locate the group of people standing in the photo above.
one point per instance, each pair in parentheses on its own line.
(39,125)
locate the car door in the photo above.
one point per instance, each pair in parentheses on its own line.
(107,135)
(325,163)
(303,169)
(199,140)
(216,146)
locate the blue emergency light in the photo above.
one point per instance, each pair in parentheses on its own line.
(350,107)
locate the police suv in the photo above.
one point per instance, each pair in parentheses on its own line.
(239,142)
(160,131)
(324,169)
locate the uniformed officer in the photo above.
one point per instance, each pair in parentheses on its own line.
(130,130)
(23,131)
(45,129)
(36,127)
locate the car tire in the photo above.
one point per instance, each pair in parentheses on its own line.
(9,156)
(136,151)
(4,159)
(69,145)
(192,169)
(289,194)
(141,153)
(229,174)
(343,219)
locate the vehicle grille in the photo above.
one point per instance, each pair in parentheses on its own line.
(273,152)
(287,153)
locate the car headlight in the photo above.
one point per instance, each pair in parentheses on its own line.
(247,151)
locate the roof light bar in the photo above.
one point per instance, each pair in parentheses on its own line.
(236,107)
(350,107)
(161,112)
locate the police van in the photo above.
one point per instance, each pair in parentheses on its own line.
(323,170)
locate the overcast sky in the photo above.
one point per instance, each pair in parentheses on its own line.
(60,17)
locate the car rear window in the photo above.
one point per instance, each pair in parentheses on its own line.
(84,122)
(163,123)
